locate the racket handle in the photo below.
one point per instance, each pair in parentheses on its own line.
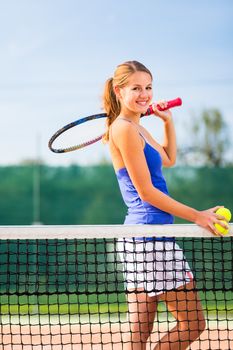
(170,104)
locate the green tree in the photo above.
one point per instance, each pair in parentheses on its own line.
(209,140)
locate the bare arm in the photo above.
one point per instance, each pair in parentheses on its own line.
(169,143)
(127,140)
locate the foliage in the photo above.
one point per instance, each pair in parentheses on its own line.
(91,195)
(76,195)
(209,140)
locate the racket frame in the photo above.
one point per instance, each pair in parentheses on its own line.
(170,104)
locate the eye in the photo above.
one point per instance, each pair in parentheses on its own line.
(135,88)
(149,88)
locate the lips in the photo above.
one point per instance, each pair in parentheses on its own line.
(142,103)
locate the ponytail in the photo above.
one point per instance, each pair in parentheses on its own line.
(111,106)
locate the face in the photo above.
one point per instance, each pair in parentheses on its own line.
(136,96)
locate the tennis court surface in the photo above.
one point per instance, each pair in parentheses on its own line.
(62,287)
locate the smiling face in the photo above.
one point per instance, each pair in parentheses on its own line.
(135,97)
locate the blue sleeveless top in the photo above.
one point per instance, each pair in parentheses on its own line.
(139,211)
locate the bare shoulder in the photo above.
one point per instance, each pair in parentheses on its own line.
(125,133)
(122,126)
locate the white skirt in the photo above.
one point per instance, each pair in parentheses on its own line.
(155,266)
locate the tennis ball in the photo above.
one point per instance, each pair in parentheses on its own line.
(221,229)
(224,212)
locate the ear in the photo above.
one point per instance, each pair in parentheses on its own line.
(117,91)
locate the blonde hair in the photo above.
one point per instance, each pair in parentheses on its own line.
(111,104)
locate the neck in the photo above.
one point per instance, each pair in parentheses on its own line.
(133,117)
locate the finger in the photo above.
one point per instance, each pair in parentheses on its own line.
(223,223)
(162,104)
(154,107)
(214,230)
(214,209)
(220,217)
(221,220)
(217,230)
(217,233)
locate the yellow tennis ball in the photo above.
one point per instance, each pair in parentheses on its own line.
(224,212)
(221,229)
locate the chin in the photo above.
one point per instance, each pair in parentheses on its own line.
(142,110)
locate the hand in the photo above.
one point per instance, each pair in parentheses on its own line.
(207,219)
(164,115)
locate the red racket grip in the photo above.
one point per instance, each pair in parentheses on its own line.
(170,104)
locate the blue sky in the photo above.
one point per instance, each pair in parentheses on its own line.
(56,55)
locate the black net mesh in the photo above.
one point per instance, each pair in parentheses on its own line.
(116,294)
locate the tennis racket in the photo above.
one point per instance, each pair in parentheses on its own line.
(170,104)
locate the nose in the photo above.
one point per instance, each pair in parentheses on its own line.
(144,93)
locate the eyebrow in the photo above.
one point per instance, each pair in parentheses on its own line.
(141,85)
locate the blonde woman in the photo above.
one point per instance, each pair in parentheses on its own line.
(154,268)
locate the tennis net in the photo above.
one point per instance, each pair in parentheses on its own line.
(82,287)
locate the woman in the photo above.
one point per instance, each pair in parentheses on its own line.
(154,268)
